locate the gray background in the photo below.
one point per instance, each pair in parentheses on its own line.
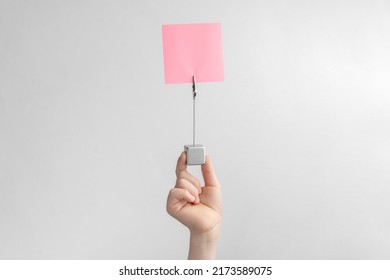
(299,130)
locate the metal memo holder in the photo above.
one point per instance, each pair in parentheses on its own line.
(196,152)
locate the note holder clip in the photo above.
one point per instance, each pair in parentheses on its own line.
(196,153)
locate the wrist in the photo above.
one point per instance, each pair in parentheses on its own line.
(203,246)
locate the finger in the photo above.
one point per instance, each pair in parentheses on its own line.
(181,171)
(177,199)
(209,177)
(177,194)
(192,179)
(181,163)
(184,184)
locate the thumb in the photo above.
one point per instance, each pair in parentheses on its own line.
(209,177)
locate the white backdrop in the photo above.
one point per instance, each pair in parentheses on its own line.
(299,131)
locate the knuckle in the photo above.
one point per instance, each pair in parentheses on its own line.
(180,182)
(172,192)
(181,173)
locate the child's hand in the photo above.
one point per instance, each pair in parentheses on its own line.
(198,208)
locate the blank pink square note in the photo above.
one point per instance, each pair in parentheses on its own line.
(192,49)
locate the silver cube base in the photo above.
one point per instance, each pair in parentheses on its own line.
(196,155)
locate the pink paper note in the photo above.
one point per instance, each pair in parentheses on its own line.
(192,49)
